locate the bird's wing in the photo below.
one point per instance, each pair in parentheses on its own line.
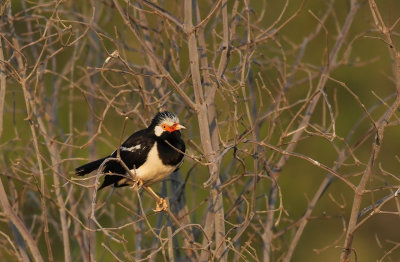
(133,152)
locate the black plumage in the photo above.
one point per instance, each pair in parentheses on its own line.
(146,153)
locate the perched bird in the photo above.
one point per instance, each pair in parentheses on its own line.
(150,154)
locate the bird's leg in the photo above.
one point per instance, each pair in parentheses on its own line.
(137,184)
(161,203)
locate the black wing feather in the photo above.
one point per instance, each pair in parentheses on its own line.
(132,159)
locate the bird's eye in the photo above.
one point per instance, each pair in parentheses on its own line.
(164,126)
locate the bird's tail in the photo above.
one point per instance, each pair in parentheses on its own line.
(89,167)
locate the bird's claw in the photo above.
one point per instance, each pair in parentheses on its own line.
(136,185)
(161,205)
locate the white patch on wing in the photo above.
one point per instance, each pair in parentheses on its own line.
(153,169)
(131,149)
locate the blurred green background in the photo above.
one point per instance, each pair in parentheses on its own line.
(73,88)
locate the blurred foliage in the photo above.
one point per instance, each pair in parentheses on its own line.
(76,91)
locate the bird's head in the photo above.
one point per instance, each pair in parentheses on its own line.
(165,123)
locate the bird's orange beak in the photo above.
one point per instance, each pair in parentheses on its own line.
(175,127)
(178,127)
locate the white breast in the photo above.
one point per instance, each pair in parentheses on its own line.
(153,169)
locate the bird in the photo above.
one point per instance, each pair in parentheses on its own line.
(151,154)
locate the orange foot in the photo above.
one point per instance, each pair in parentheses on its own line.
(136,185)
(161,205)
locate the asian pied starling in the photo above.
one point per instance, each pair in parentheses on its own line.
(151,154)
